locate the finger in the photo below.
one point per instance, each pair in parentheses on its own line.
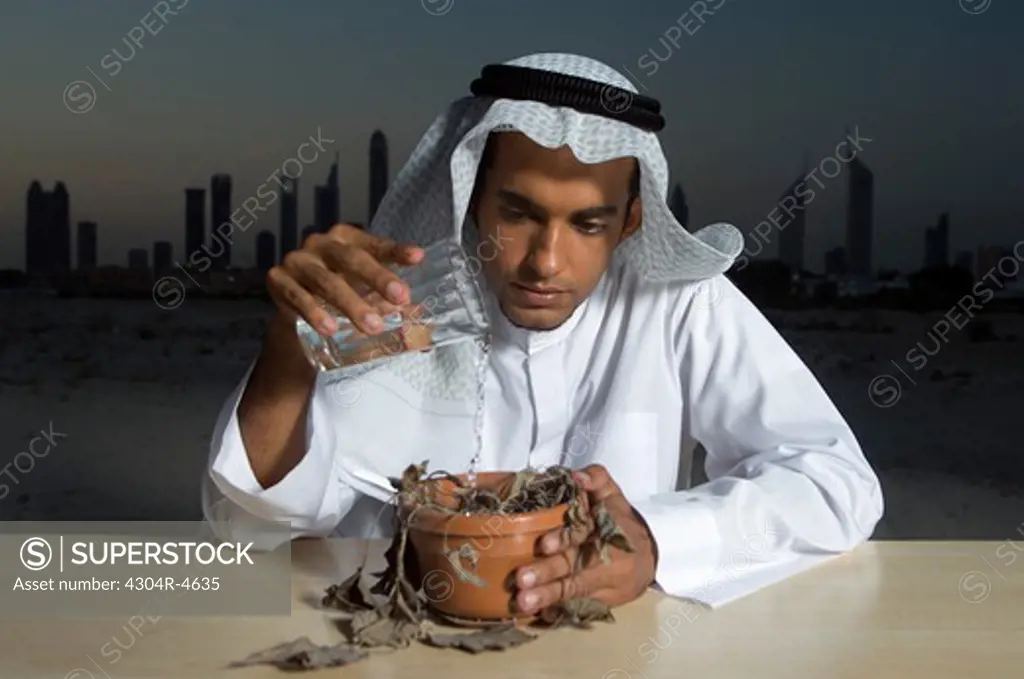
(294,300)
(360,265)
(387,250)
(411,313)
(547,570)
(321,282)
(384,249)
(561,539)
(598,483)
(581,584)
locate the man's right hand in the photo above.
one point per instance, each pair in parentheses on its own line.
(336,267)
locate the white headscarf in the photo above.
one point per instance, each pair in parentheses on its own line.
(430,197)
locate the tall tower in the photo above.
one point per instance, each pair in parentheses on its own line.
(220,213)
(195,221)
(859,218)
(378,172)
(289,226)
(37,224)
(327,201)
(59,236)
(265,255)
(47,230)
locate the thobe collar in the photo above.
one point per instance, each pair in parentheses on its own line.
(528,341)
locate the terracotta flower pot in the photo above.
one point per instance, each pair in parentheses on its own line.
(447,545)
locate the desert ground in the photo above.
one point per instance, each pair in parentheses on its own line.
(128,393)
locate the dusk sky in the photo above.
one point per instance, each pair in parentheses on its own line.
(236,85)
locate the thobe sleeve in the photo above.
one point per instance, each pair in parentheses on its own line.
(788,483)
(309,501)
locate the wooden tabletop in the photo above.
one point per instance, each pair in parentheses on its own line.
(887,609)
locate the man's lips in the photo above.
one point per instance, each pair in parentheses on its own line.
(538,289)
(532,296)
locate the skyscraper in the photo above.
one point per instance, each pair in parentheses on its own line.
(859,218)
(677,205)
(37,225)
(138,259)
(327,201)
(936,243)
(195,220)
(793,231)
(162,256)
(60,229)
(47,230)
(289,226)
(86,246)
(265,255)
(220,213)
(378,171)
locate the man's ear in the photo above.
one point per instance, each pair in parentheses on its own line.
(634,218)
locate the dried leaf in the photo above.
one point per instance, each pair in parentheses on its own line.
(456,556)
(609,534)
(385,581)
(407,610)
(387,631)
(403,567)
(580,613)
(409,598)
(585,609)
(495,639)
(511,496)
(578,521)
(411,477)
(303,654)
(351,595)
(364,619)
(377,628)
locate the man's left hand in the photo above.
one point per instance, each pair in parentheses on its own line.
(554,578)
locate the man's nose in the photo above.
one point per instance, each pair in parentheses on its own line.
(546,254)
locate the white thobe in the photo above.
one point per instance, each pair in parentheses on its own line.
(638,370)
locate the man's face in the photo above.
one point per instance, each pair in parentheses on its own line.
(556,221)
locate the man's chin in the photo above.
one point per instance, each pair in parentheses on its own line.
(535,319)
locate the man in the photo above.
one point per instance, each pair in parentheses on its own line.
(615,337)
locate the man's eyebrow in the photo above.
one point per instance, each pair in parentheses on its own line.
(598,212)
(527,205)
(509,196)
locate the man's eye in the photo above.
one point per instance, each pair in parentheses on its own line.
(512,215)
(592,228)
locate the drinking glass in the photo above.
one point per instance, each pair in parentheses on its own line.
(445,306)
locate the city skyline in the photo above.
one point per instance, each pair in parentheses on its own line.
(48,226)
(208,246)
(747,97)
